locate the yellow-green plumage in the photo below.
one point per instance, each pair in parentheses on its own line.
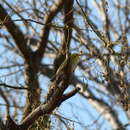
(73,62)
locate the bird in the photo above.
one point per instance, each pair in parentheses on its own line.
(71,63)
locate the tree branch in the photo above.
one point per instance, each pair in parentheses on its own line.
(56,7)
(69,95)
(16,33)
(13,87)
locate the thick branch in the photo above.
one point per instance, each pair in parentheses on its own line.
(68,23)
(56,7)
(47,108)
(70,94)
(16,33)
(2,126)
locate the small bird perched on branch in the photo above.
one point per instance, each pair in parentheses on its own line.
(71,63)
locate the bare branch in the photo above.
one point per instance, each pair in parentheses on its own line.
(16,33)
(13,87)
(56,7)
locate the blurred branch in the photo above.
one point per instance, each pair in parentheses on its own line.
(101,106)
(94,28)
(2,126)
(16,33)
(54,101)
(68,24)
(123,127)
(56,7)
(3,95)
(67,32)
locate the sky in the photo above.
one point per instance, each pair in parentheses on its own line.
(76,108)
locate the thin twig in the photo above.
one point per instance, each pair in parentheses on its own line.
(10,86)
